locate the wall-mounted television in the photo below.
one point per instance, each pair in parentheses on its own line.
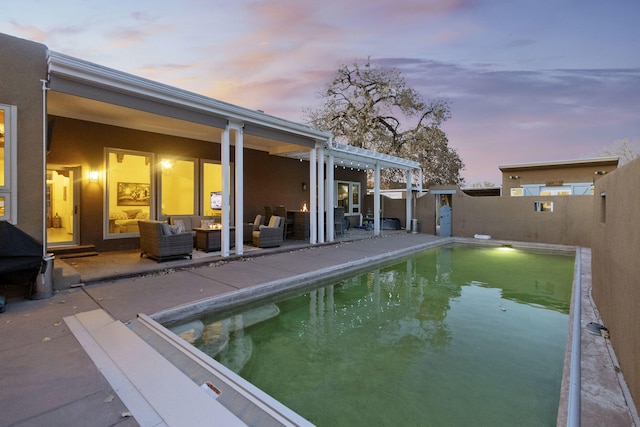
(216,200)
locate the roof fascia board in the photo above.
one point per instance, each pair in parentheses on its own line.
(90,73)
(599,161)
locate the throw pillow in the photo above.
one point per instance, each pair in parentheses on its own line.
(166,229)
(180,224)
(175,229)
(274,221)
(131,214)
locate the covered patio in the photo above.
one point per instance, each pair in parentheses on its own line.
(79,92)
(75,269)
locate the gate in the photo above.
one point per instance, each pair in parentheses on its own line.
(445,221)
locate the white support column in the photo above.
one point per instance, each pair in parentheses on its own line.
(321,195)
(313,193)
(409,197)
(331,171)
(376,201)
(225,157)
(239,199)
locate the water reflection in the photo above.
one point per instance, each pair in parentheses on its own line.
(403,333)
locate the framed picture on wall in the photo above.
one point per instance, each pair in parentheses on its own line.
(216,200)
(133,194)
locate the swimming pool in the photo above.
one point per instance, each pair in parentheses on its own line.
(454,335)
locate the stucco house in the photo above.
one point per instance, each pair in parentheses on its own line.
(87,151)
(555,178)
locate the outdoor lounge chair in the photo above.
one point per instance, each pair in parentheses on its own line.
(250,227)
(159,240)
(269,236)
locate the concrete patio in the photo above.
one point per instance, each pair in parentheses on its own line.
(48,378)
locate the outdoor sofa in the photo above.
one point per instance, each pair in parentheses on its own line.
(189,222)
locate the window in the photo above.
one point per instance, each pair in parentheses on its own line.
(8,181)
(556,191)
(517,192)
(348,196)
(543,206)
(212,189)
(129,191)
(603,207)
(178,184)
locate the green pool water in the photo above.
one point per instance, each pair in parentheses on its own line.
(452,336)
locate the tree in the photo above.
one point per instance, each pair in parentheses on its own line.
(624,149)
(366,106)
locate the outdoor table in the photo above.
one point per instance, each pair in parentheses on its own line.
(210,239)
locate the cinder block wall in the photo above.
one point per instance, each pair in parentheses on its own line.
(615,264)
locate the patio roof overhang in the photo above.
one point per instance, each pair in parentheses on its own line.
(86,91)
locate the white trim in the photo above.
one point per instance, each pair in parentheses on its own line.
(313,184)
(225,156)
(239,208)
(10,188)
(321,194)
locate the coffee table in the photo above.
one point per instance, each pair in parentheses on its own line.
(210,239)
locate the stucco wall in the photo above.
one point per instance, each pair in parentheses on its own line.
(514,218)
(23,65)
(616,267)
(508,218)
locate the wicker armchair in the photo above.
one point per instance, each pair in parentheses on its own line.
(158,241)
(269,236)
(250,227)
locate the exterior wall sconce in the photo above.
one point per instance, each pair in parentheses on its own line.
(600,172)
(94,175)
(304,186)
(514,177)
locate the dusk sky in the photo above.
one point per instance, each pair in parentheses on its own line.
(527,80)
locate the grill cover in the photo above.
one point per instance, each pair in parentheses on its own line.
(20,255)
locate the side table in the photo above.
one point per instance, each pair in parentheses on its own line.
(209,239)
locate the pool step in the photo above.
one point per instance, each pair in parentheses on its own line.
(153,389)
(250,404)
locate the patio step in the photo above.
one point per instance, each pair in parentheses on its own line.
(66,252)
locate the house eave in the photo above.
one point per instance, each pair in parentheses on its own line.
(93,74)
